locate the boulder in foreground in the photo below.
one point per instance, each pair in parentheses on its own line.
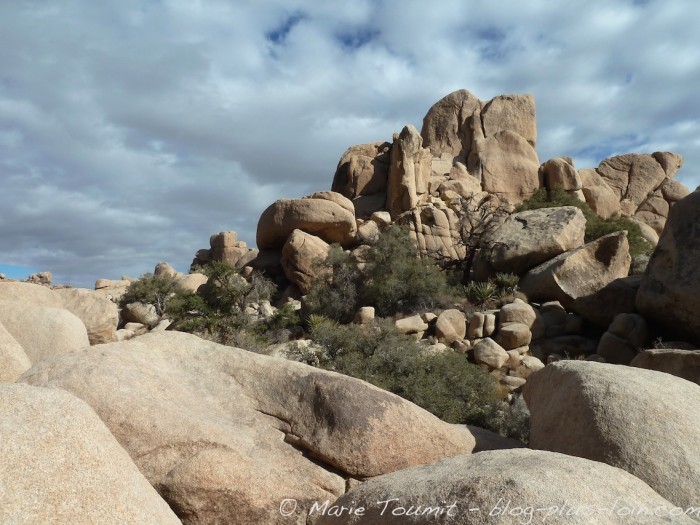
(61,465)
(642,421)
(198,418)
(505,487)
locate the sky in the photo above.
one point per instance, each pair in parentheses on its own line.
(132,131)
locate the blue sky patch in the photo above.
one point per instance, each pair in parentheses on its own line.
(16,272)
(357,38)
(279,34)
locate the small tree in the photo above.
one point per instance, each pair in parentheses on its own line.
(151,289)
(480,215)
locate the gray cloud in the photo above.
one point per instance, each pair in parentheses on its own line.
(131,132)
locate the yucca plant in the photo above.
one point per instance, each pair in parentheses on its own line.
(481,293)
(507,282)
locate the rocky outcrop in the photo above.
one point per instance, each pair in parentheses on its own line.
(435,230)
(599,196)
(504,487)
(672,278)
(680,363)
(60,464)
(638,181)
(327,215)
(409,173)
(641,421)
(579,272)
(199,418)
(363,170)
(494,140)
(530,238)
(301,256)
(225,247)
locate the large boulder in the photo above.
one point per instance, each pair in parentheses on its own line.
(446,126)
(363,170)
(559,173)
(199,418)
(43,332)
(409,173)
(503,487)
(508,166)
(677,362)
(327,215)
(300,257)
(13,360)
(670,289)
(450,326)
(29,293)
(529,238)
(60,464)
(579,272)
(641,421)
(599,196)
(514,113)
(632,176)
(99,315)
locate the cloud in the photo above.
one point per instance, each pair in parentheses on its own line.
(129,133)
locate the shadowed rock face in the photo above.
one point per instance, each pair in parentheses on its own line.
(670,289)
(580,272)
(477,490)
(199,418)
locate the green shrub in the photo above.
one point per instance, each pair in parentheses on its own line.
(445,384)
(392,278)
(217,312)
(335,294)
(596,227)
(397,280)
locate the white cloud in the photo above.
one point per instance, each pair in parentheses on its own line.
(131,132)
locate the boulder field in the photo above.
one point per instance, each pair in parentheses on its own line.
(108,415)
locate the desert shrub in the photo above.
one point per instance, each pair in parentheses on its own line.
(217,311)
(392,278)
(445,384)
(227,291)
(396,279)
(596,227)
(151,289)
(335,293)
